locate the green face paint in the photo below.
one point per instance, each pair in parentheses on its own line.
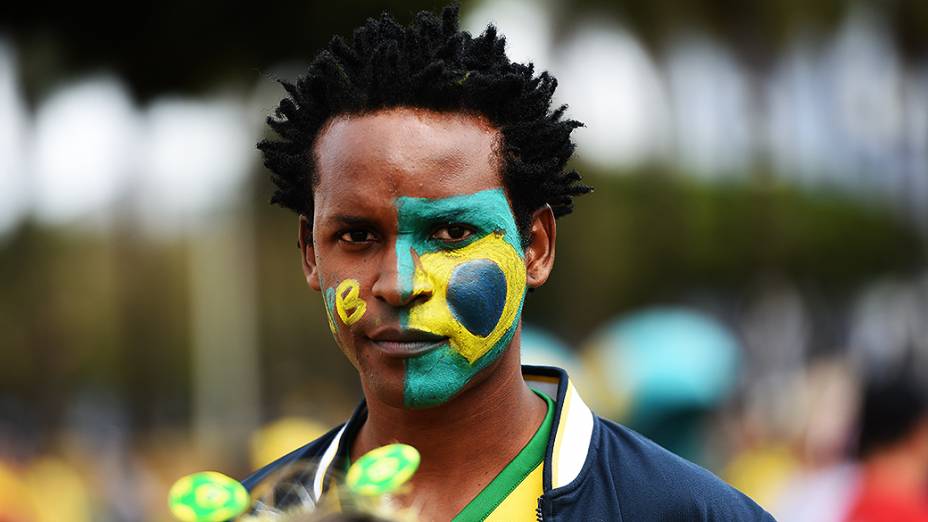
(330,310)
(477,288)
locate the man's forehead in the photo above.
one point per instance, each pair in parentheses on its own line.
(345,205)
(398,124)
(406,152)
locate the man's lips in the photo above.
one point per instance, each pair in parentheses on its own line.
(397,342)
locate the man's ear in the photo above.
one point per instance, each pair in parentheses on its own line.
(539,254)
(308,253)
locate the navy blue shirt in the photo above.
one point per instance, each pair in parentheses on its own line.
(630,478)
(595,469)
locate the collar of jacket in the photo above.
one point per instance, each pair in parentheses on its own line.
(568,444)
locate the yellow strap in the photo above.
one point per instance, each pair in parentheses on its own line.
(521,503)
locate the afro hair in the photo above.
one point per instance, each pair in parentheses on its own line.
(430,64)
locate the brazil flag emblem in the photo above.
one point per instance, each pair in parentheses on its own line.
(207,496)
(382,470)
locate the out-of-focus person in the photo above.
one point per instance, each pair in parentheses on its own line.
(794,441)
(893,448)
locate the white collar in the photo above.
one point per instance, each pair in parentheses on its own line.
(571,439)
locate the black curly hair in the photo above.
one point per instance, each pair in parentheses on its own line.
(430,64)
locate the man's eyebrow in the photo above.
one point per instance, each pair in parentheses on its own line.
(349,219)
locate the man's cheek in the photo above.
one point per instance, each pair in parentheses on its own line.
(477,295)
(348,303)
(344,304)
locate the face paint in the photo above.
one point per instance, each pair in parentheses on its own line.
(330,310)
(349,306)
(344,301)
(477,288)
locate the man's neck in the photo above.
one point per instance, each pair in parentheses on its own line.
(475,434)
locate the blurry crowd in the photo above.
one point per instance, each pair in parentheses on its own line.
(94,471)
(830,436)
(812,434)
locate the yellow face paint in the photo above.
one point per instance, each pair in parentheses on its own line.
(349,306)
(469,290)
(440,272)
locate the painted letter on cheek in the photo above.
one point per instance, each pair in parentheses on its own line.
(349,306)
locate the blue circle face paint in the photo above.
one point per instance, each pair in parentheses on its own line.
(477,295)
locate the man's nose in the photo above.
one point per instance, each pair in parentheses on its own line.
(397,284)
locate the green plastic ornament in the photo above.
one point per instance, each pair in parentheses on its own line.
(207,496)
(383,470)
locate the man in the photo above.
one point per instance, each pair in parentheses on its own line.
(428,170)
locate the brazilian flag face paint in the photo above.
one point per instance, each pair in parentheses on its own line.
(476,288)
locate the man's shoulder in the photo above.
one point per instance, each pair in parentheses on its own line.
(311,451)
(653,483)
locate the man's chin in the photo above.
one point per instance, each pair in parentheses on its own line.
(424,381)
(436,377)
(388,393)
(394,388)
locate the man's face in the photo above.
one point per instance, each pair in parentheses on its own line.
(415,250)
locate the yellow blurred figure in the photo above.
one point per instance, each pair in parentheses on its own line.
(58,491)
(762,473)
(281,437)
(16,503)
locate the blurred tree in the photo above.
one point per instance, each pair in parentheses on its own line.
(173,46)
(652,237)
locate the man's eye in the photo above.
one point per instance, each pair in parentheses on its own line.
(452,233)
(357,236)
